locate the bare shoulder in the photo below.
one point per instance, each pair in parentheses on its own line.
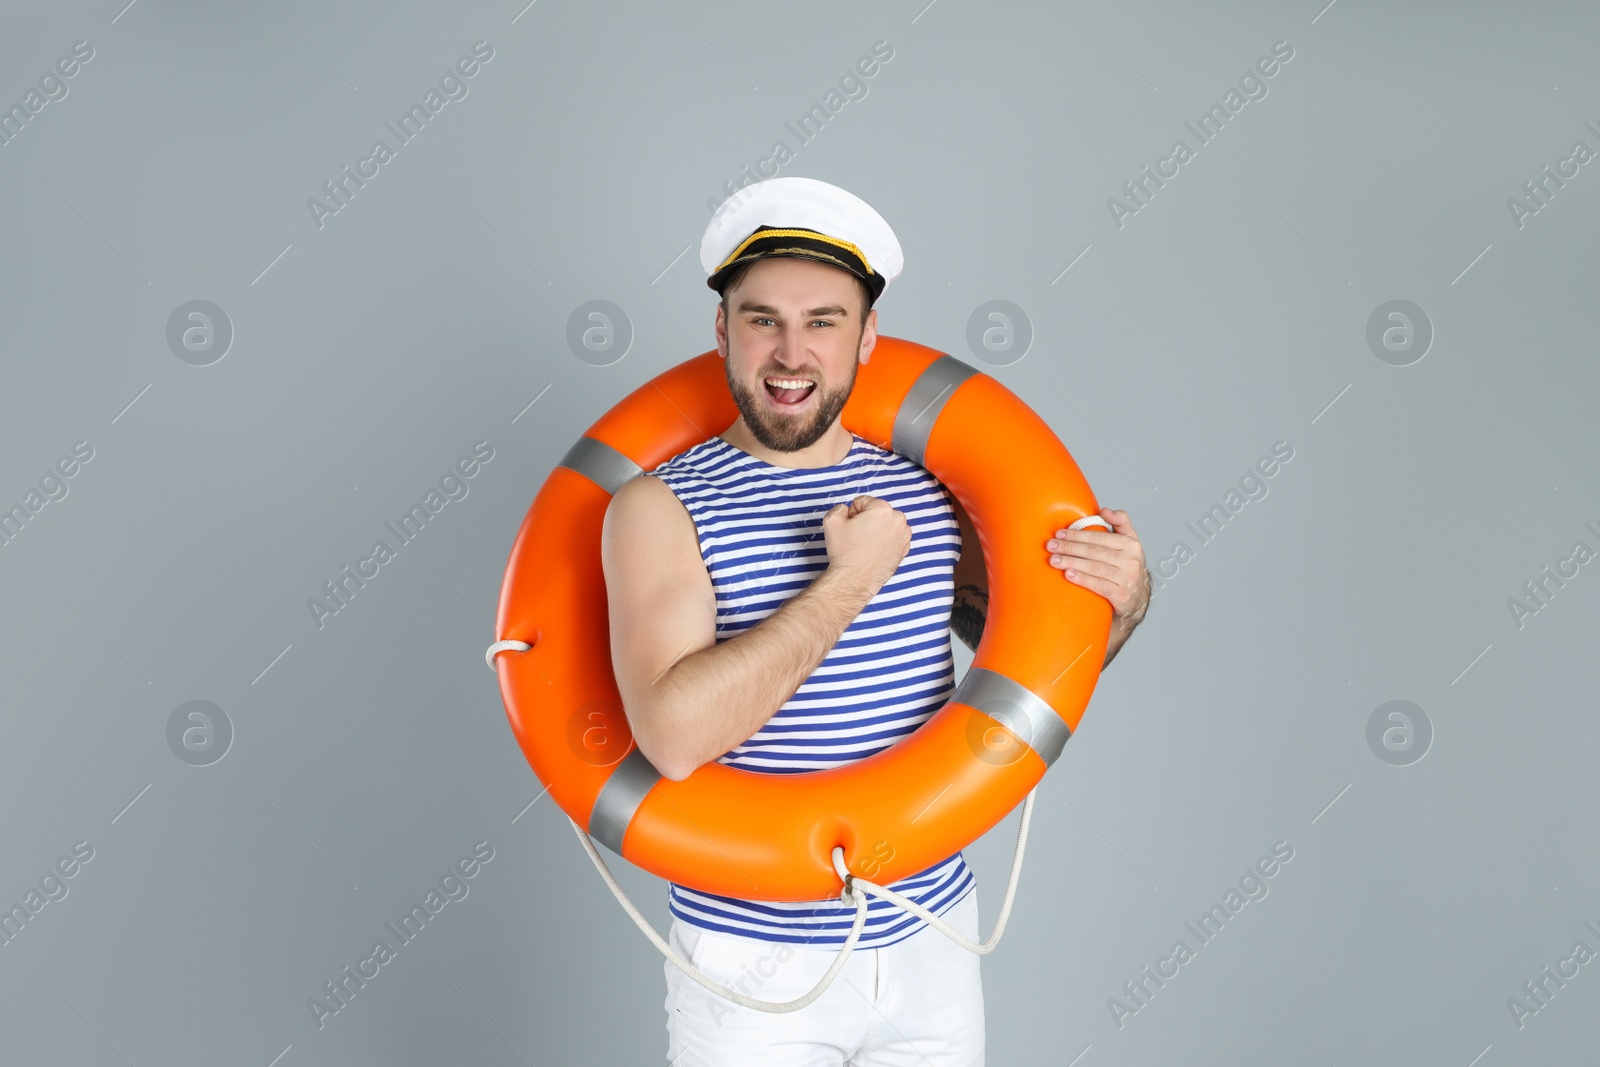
(649,548)
(646,507)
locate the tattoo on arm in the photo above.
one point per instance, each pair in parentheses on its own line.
(968,614)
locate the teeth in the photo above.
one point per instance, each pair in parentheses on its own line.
(790,383)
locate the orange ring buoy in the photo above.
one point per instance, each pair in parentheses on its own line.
(770,836)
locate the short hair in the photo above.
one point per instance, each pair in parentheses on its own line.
(738,272)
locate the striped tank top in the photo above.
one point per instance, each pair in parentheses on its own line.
(760,532)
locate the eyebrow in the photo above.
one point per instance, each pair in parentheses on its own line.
(767,309)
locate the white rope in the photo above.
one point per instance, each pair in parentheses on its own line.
(689,969)
(501,646)
(854,888)
(935,921)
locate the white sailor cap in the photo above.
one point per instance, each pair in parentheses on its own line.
(801,217)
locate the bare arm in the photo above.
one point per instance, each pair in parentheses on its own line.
(689,699)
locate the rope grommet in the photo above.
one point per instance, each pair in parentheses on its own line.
(503,646)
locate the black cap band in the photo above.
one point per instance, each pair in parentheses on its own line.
(769,242)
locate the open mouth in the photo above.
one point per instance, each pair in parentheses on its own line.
(789,392)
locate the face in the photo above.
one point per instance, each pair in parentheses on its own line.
(800,320)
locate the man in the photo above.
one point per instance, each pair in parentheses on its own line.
(781,598)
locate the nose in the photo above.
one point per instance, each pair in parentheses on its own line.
(789,349)
(789,357)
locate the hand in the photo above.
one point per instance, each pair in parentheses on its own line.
(866,538)
(1110,563)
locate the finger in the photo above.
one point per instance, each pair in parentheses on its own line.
(1119,521)
(1084,549)
(1089,535)
(1095,584)
(1097,568)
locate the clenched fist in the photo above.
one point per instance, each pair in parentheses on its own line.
(867,539)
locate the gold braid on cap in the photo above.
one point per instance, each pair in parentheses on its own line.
(812,234)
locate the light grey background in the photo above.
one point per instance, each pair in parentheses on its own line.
(370,354)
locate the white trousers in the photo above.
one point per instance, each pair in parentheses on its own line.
(916,1003)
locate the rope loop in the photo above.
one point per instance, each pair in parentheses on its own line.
(856,891)
(503,646)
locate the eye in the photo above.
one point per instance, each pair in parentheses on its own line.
(825,322)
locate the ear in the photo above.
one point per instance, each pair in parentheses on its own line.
(720,328)
(869,335)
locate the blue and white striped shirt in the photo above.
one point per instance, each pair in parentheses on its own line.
(760,531)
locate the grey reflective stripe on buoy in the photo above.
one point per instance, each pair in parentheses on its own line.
(619,798)
(913,423)
(1015,707)
(600,463)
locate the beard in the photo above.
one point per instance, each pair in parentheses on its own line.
(782,432)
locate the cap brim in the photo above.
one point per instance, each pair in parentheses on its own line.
(874,282)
